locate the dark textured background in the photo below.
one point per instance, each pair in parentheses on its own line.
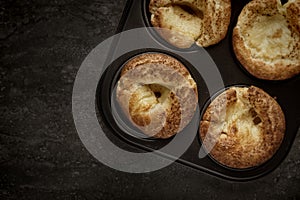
(41,157)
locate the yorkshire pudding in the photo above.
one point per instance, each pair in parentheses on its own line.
(157,94)
(243,127)
(266,39)
(183,22)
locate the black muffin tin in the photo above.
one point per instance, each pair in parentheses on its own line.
(136,15)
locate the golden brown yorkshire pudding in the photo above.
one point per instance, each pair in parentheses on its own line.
(157,94)
(184,22)
(266,39)
(243,127)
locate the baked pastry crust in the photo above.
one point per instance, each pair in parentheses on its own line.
(185,22)
(243,127)
(157,94)
(266,39)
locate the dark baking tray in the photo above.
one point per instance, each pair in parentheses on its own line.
(286,92)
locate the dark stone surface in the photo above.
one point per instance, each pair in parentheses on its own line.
(41,156)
